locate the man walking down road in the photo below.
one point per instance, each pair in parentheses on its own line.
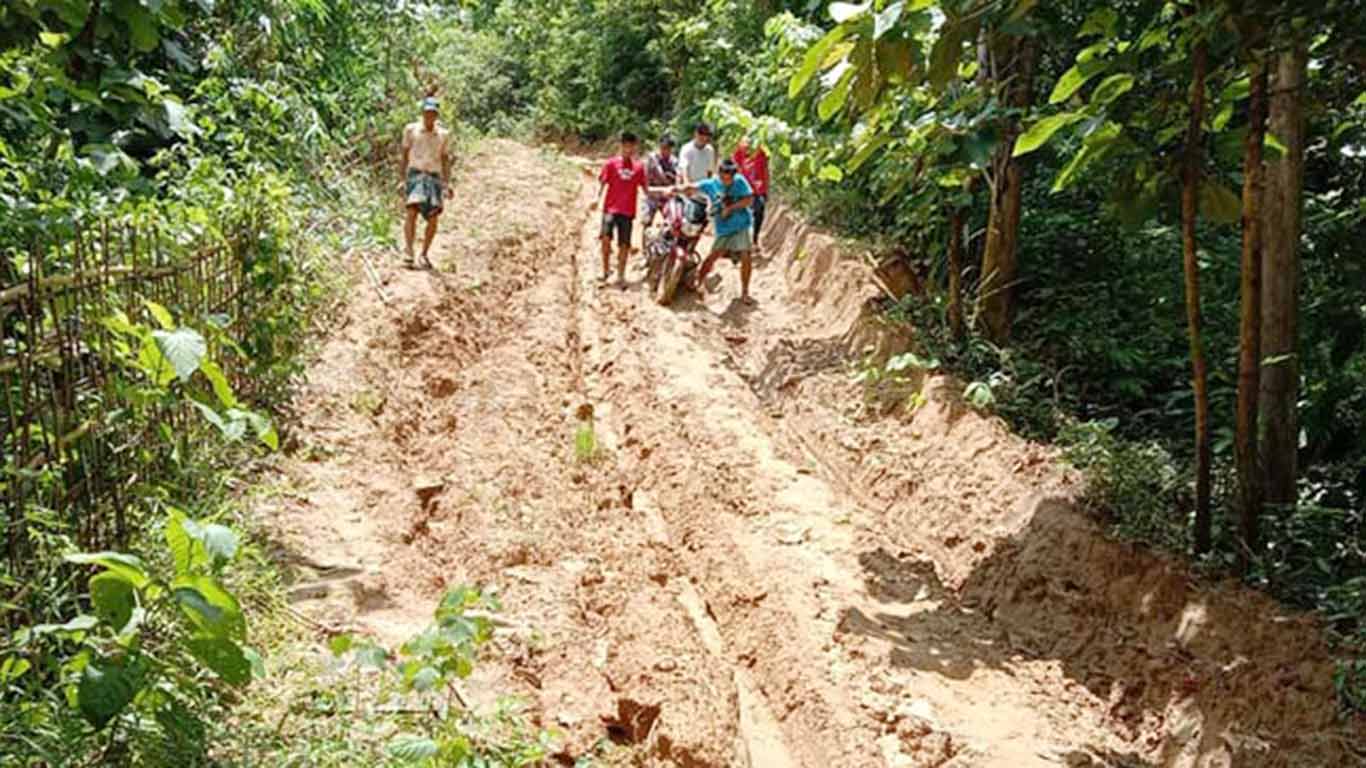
(698,157)
(620,184)
(425,175)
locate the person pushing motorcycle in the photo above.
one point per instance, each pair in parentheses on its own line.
(731,196)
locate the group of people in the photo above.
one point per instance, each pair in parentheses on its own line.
(737,189)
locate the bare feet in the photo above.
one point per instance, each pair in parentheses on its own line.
(748,301)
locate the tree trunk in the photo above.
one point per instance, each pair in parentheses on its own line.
(1280,281)
(1190,196)
(1000,268)
(1250,324)
(956,272)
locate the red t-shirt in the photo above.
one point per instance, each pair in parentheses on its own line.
(623,179)
(755,168)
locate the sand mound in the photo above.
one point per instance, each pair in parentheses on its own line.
(1187,673)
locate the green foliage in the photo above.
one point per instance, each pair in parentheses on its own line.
(429,667)
(153,646)
(1136,484)
(245,127)
(175,366)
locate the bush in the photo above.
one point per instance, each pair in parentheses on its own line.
(1134,485)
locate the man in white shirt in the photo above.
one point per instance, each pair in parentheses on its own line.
(425,176)
(698,158)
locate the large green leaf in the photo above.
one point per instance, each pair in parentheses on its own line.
(127,566)
(412,749)
(104,691)
(1040,132)
(835,100)
(112,596)
(423,679)
(869,148)
(72,12)
(1111,88)
(813,61)
(1096,145)
(184,349)
(1074,78)
(221,388)
(181,544)
(161,314)
(12,669)
(222,656)
(142,25)
(209,607)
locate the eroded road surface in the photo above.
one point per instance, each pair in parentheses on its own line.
(761,564)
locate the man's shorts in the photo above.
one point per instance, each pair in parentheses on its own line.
(736,244)
(424,191)
(619,222)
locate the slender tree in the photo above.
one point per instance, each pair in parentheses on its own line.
(1281,278)
(1250,323)
(1000,264)
(1190,196)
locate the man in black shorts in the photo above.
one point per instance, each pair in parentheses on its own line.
(621,182)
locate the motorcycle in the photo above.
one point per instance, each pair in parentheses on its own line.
(671,251)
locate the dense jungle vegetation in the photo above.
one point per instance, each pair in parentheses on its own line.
(1138,226)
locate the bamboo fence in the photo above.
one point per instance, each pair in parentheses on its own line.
(70,461)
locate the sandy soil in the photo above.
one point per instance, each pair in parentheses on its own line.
(756,568)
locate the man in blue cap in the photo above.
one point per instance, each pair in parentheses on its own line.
(425,176)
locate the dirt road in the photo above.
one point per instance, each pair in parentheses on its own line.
(755,566)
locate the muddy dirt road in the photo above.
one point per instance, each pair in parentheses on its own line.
(757,566)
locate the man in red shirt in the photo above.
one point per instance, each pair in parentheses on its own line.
(622,179)
(753,164)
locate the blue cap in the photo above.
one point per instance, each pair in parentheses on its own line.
(430,104)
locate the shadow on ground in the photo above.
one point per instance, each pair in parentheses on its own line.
(1187,673)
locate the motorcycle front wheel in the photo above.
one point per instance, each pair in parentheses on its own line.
(670,280)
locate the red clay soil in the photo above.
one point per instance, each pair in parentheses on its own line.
(760,565)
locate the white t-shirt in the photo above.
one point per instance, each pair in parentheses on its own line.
(425,148)
(696,161)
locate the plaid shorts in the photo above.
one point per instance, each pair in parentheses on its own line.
(424,191)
